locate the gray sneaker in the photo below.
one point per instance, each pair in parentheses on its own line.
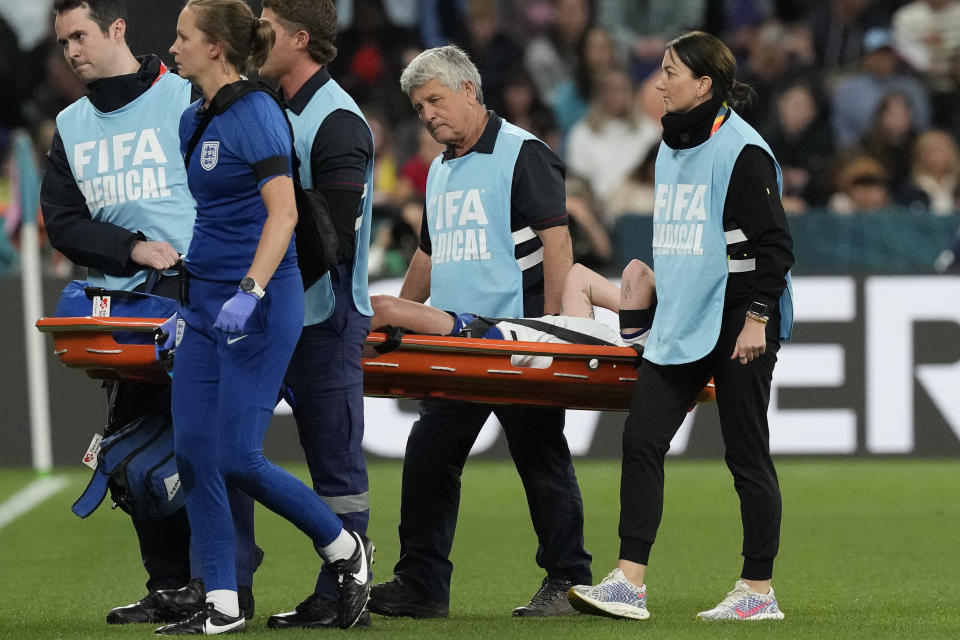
(550,600)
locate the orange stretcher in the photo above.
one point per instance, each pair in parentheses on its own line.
(453,368)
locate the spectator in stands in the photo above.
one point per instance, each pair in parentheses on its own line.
(774,54)
(861,185)
(636,194)
(493,51)
(371,53)
(890,138)
(551,58)
(571,98)
(799,136)
(926,33)
(838,28)
(945,113)
(612,139)
(591,243)
(398,234)
(935,172)
(641,28)
(856,98)
(523,107)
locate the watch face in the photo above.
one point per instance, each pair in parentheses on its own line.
(247,284)
(759,308)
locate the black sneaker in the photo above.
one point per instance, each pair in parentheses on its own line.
(146,609)
(549,600)
(395,598)
(206,622)
(176,604)
(316,612)
(353,582)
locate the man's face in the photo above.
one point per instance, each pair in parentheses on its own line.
(281,58)
(444,112)
(91,53)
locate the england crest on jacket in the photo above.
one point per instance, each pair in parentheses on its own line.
(209,154)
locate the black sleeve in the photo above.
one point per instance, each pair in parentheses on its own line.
(341,151)
(425,244)
(538,195)
(753,206)
(71,229)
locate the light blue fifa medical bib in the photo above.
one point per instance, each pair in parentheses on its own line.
(689,246)
(474,268)
(319,298)
(128,166)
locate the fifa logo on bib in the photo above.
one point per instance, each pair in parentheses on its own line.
(209,154)
(459,222)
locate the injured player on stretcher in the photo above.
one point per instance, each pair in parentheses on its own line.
(634,300)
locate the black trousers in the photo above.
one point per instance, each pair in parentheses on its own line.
(662,396)
(437,449)
(164,544)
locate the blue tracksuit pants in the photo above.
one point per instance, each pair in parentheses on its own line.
(224,391)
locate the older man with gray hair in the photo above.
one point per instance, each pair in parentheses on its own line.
(493,241)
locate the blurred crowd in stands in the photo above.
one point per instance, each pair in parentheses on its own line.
(858,99)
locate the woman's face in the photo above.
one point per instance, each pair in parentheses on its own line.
(193,53)
(678,87)
(598,51)
(896,118)
(616,93)
(796,109)
(937,156)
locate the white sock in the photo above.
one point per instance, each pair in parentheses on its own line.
(225,601)
(638,337)
(342,547)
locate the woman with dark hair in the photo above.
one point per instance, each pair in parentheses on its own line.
(722,255)
(241,315)
(891,136)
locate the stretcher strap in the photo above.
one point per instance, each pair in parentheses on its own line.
(394,336)
(567,335)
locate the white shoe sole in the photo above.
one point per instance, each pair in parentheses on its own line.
(760,616)
(590,606)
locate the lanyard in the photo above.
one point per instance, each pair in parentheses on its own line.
(721,116)
(163,70)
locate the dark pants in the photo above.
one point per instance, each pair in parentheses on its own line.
(661,398)
(436,452)
(164,544)
(324,384)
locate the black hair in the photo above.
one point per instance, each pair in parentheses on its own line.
(103,12)
(706,55)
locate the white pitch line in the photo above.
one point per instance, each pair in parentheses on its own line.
(29,497)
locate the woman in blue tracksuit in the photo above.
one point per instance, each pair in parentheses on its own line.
(237,341)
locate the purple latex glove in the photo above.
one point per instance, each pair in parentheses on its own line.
(235,312)
(169,328)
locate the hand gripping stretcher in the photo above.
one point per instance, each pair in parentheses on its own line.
(454,368)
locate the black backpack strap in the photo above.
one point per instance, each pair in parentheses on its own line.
(195,138)
(223,101)
(394,338)
(567,335)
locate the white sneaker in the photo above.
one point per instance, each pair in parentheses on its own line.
(743,603)
(615,597)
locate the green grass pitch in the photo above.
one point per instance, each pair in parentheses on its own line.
(869,549)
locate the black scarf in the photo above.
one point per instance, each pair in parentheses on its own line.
(109,94)
(687,130)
